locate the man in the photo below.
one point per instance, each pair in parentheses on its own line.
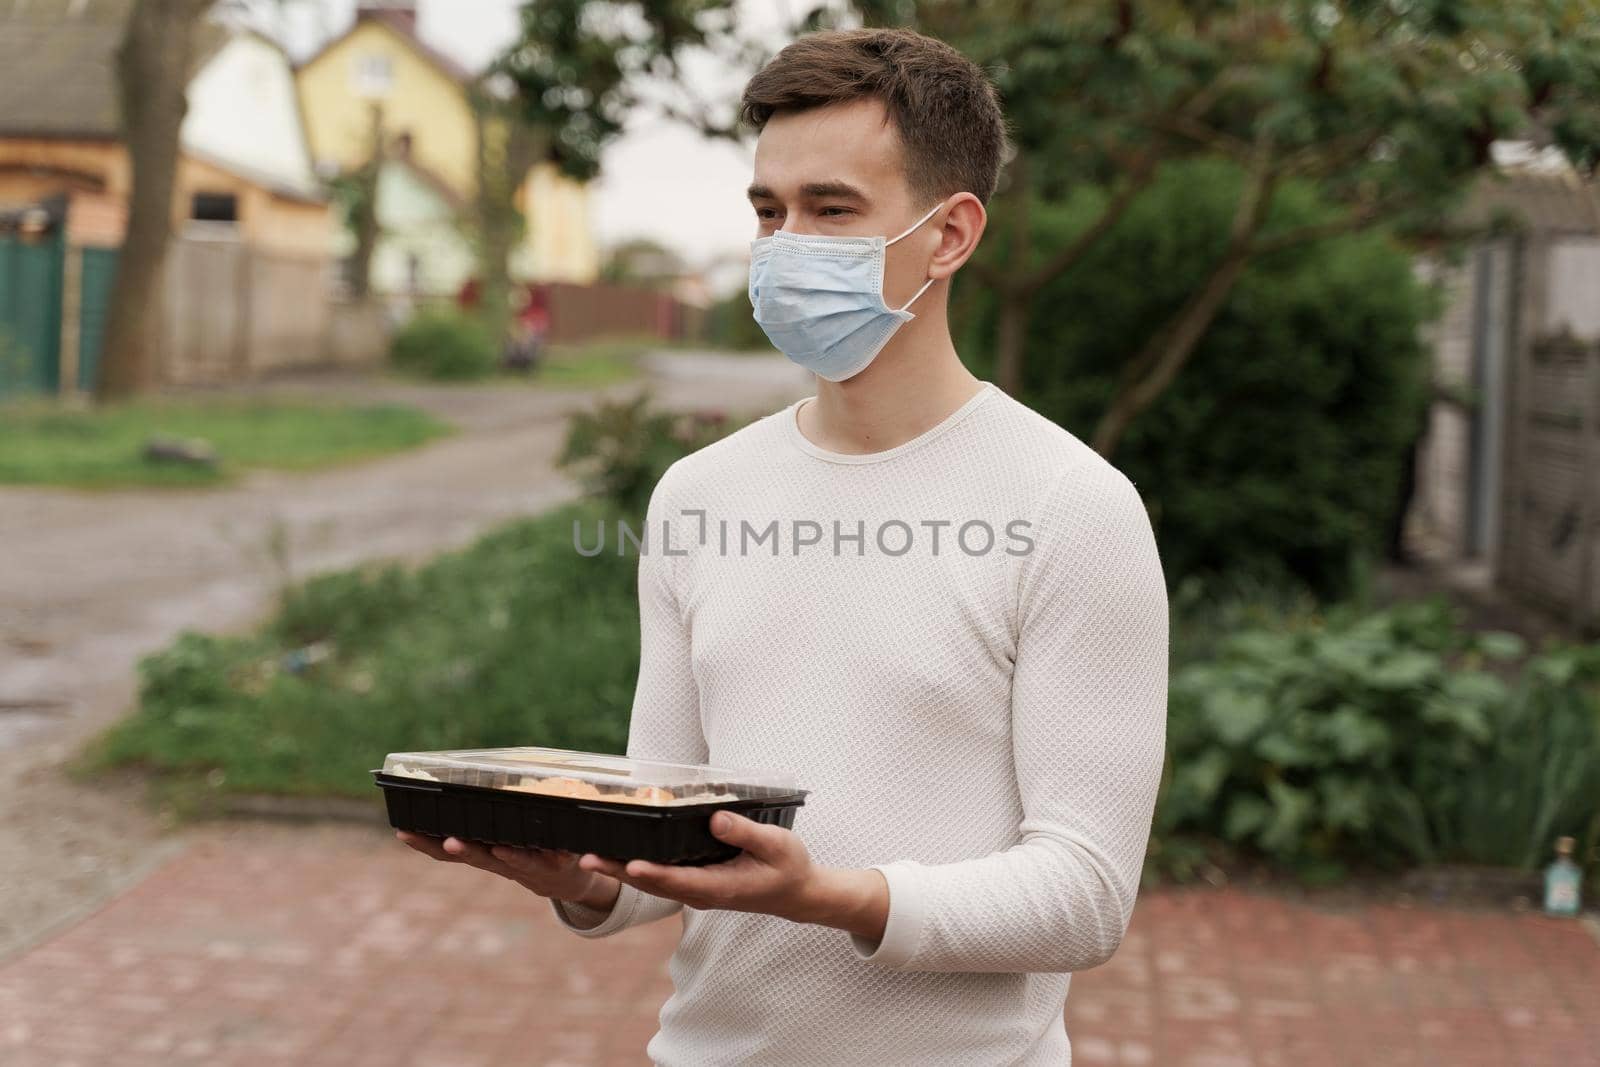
(942,613)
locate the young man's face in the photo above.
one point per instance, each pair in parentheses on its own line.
(832,170)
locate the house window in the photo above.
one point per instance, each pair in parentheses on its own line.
(214,207)
(374,76)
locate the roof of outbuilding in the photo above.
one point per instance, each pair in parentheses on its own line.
(58,66)
(1545,199)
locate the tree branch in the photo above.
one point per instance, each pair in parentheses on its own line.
(1357,218)
(1149,373)
(1067,257)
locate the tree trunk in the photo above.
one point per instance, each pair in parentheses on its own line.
(1021,284)
(153,66)
(1167,351)
(507,149)
(1150,372)
(364,211)
(1011,337)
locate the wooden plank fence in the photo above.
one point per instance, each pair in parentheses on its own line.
(1551,553)
(232,311)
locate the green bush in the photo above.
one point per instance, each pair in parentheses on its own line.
(1351,738)
(515,640)
(620,450)
(729,324)
(1280,443)
(444,345)
(1540,780)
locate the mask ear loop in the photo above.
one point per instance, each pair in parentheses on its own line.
(914,225)
(919,292)
(930,281)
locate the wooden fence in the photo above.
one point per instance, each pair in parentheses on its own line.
(589,312)
(228,312)
(232,311)
(1551,545)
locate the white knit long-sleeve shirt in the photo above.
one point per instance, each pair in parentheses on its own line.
(980,717)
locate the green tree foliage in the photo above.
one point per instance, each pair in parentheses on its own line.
(563,90)
(1388,107)
(579,68)
(1280,445)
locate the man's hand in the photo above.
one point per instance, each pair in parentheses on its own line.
(774,875)
(550,873)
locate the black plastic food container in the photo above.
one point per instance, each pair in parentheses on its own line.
(579,801)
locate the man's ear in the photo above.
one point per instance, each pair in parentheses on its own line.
(959,236)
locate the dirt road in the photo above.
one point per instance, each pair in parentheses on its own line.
(92,581)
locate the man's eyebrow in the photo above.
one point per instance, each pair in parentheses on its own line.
(812,190)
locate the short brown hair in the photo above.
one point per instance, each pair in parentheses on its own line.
(943,106)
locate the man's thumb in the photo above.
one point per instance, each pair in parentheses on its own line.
(738,830)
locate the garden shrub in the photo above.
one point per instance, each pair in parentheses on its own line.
(1378,738)
(1540,780)
(515,640)
(444,345)
(620,450)
(1280,442)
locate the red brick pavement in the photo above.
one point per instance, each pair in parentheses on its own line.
(339,947)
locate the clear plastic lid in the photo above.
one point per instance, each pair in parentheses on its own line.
(588,775)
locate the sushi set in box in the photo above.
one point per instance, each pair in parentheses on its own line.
(580,801)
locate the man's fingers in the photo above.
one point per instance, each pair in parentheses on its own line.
(531,860)
(662,880)
(428,846)
(456,851)
(761,840)
(600,865)
(476,855)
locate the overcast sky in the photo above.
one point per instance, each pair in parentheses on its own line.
(658,179)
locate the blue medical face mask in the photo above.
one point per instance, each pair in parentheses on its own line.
(819,299)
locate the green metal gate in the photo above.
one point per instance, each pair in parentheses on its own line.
(99,271)
(30,315)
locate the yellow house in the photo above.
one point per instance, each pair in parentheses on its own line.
(425,118)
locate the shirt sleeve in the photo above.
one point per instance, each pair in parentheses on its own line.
(1088,721)
(665,720)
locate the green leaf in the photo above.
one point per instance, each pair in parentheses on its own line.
(1405,669)
(1247,813)
(1201,778)
(1236,716)
(1284,751)
(1291,811)
(1348,655)
(1354,733)
(1498,644)
(1346,803)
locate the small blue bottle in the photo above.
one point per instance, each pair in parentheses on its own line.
(1562,880)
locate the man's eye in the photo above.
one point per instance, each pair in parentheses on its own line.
(766,213)
(831,210)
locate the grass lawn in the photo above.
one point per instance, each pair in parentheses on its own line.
(44,444)
(595,363)
(514,640)
(585,365)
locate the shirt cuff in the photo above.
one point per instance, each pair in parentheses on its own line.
(575,916)
(903,930)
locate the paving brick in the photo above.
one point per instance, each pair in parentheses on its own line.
(258,947)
